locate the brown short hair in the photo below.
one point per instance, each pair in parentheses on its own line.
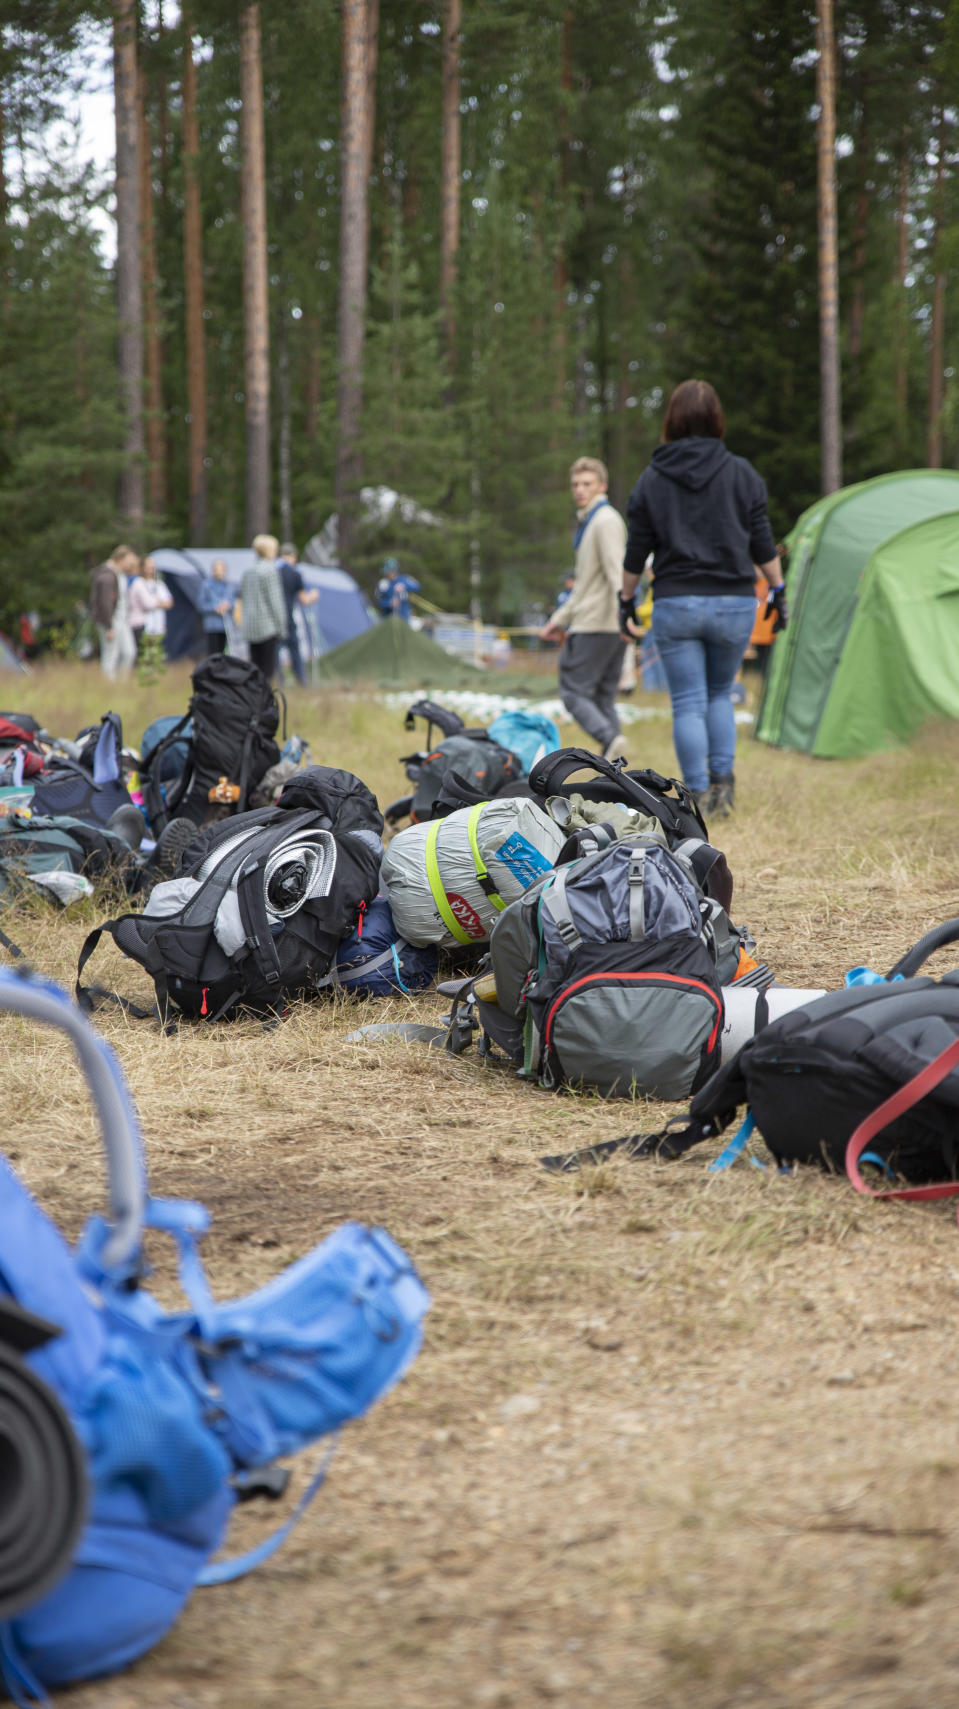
(592,466)
(694,412)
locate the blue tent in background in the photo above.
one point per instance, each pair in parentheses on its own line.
(340,612)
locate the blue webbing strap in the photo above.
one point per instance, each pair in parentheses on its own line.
(224,1572)
(23,1686)
(399,977)
(736,1146)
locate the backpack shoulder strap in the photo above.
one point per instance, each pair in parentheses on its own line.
(901,1100)
(150,769)
(88,996)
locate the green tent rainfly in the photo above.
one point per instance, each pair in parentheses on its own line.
(872,649)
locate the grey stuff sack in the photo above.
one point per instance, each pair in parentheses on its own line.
(608,974)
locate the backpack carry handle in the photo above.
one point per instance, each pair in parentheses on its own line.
(40,1000)
(896,1105)
(911,962)
(663,797)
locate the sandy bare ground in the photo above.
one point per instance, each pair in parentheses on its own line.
(674,1438)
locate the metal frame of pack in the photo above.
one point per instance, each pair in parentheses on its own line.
(235,715)
(283,943)
(608,973)
(177,1415)
(448,880)
(868,1075)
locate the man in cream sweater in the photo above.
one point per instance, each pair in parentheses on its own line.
(588,622)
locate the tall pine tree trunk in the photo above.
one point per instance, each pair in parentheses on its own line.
(355,154)
(857,306)
(560,260)
(155,442)
(450,165)
(256,316)
(129,286)
(284,427)
(830,427)
(902,306)
(193,291)
(936,357)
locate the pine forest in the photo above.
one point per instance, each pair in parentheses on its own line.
(445,246)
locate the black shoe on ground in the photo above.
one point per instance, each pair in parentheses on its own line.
(722,797)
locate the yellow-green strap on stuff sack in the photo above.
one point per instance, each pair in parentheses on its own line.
(485,882)
(436,887)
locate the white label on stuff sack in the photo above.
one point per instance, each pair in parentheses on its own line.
(739,1002)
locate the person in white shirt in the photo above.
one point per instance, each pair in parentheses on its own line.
(148,602)
(587,622)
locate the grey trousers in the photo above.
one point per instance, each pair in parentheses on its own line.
(589,670)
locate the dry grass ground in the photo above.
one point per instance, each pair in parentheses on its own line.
(673,1439)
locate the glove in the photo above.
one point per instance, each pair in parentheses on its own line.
(627,614)
(777,608)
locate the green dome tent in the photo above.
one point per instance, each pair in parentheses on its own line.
(872,648)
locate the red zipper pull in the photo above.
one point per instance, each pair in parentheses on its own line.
(359,923)
(203,1007)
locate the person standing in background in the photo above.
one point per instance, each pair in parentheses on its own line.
(262,604)
(587,623)
(702,513)
(147,603)
(393,591)
(295,592)
(108,609)
(217,599)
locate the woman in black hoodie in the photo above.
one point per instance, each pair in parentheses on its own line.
(702,513)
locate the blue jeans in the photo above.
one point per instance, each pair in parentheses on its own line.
(701,641)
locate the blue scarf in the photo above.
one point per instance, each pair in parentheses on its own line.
(581,530)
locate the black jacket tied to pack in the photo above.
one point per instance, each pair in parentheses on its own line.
(235,715)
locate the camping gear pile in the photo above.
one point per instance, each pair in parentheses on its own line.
(594,918)
(130,1432)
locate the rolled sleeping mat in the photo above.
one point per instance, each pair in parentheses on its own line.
(43,1488)
(745,1007)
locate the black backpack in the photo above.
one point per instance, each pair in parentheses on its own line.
(235,715)
(867,1074)
(286,945)
(664,798)
(466,767)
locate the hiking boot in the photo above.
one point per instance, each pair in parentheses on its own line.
(722,797)
(703,799)
(616,749)
(176,836)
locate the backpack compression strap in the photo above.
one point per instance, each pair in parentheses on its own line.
(485,882)
(896,1105)
(435,880)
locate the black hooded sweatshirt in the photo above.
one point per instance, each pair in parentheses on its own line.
(702,513)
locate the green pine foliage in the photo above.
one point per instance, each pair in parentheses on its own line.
(60,430)
(638,204)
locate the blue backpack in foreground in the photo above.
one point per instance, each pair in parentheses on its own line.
(172,1412)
